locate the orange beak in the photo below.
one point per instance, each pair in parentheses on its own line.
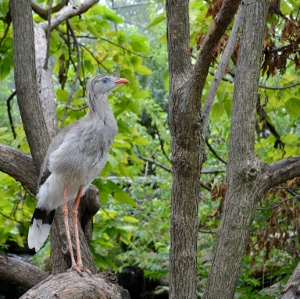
(122,81)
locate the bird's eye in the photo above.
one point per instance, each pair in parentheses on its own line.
(105,80)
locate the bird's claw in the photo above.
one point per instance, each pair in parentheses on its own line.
(80,270)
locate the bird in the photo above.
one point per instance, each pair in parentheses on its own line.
(75,157)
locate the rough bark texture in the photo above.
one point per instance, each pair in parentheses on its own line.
(187,144)
(245,171)
(19,272)
(18,165)
(37,107)
(72,286)
(44,81)
(26,81)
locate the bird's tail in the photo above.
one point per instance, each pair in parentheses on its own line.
(39,227)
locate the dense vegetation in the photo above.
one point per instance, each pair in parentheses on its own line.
(132,227)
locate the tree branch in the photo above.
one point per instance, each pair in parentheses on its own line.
(281,171)
(213,35)
(222,68)
(9,113)
(70,29)
(43,13)
(214,152)
(19,166)
(26,81)
(68,12)
(19,272)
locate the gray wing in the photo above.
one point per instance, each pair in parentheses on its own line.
(54,145)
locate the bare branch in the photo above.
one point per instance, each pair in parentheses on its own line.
(214,152)
(280,203)
(48,36)
(19,272)
(279,87)
(70,29)
(222,68)
(281,171)
(68,12)
(212,36)
(9,113)
(19,166)
(44,13)
(168,169)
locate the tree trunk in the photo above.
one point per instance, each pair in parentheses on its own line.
(187,143)
(72,286)
(26,81)
(245,171)
(36,102)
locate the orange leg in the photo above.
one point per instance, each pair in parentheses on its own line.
(75,223)
(65,212)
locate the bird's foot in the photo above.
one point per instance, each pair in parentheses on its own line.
(80,270)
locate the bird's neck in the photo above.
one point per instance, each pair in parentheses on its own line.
(99,106)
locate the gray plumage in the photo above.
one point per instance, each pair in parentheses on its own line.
(75,157)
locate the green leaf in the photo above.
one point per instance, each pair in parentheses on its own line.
(292,106)
(111,16)
(140,140)
(143,70)
(157,20)
(217,111)
(62,95)
(123,197)
(130,219)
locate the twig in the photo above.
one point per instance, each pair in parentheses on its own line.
(168,169)
(279,204)
(77,109)
(91,53)
(214,152)
(123,48)
(9,113)
(48,36)
(70,29)
(9,218)
(4,35)
(161,143)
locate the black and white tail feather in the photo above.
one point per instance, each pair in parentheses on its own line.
(39,227)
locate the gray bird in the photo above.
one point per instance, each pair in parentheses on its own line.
(74,159)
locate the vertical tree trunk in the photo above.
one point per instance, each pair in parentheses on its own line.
(187,158)
(245,171)
(26,81)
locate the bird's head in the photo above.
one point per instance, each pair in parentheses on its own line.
(103,84)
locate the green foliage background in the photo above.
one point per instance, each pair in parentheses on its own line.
(132,227)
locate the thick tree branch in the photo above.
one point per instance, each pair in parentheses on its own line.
(43,13)
(19,272)
(26,81)
(68,12)
(211,38)
(222,67)
(19,166)
(281,171)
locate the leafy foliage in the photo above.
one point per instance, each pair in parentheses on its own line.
(132,228)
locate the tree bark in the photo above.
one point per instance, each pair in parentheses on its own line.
(36,102)
(26,81)
(19,272)
(18,165)
(187,143)
(245,171)
(70,285)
